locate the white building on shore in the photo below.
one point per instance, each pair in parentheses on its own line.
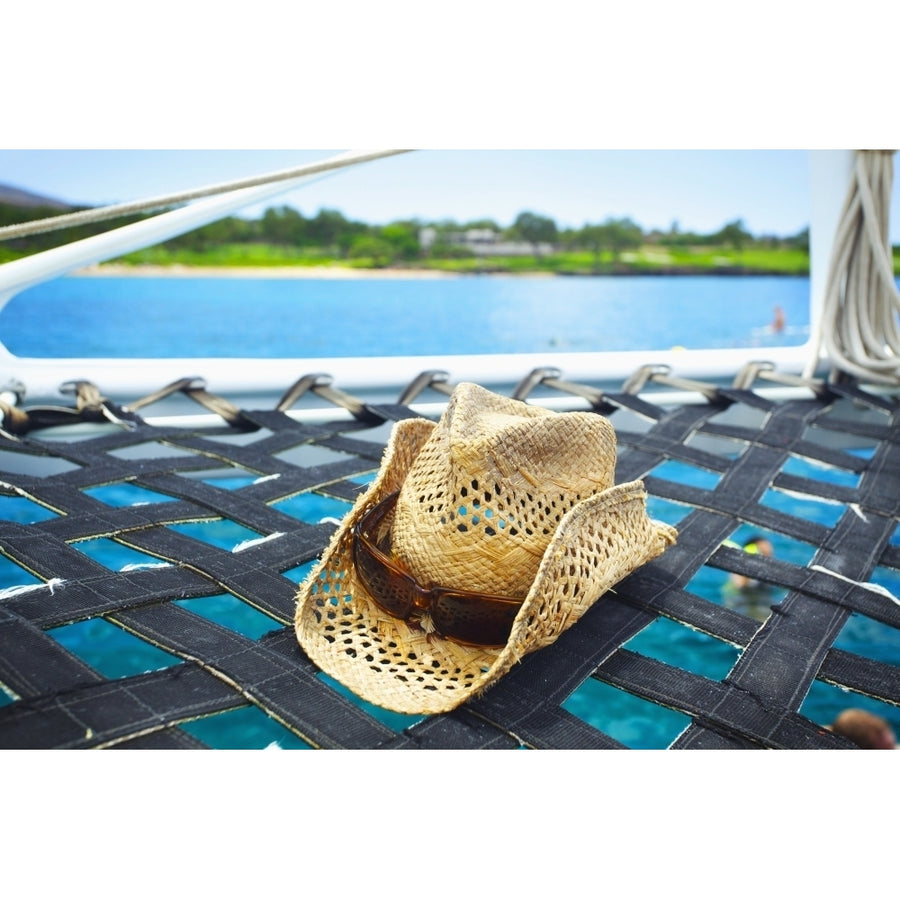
(481,242)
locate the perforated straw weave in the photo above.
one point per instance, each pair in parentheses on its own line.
(58,696)
(498,497)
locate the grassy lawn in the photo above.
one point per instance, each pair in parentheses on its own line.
(647,259)
(227,255)
(783,260)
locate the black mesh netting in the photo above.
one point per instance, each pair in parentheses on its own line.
(77,503)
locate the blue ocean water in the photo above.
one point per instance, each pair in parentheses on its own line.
(229,317)
(284,318)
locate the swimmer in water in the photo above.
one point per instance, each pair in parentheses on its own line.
(747,595)
(778,321)
(866,730)
(756,544)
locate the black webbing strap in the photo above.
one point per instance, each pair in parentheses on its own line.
(64,702)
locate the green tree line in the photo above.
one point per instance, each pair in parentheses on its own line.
(329,233)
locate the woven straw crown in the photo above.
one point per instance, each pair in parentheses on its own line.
(499,497)
(486,493)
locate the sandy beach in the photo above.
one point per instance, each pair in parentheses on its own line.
(329,272)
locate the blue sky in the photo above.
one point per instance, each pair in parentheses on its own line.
(700,189)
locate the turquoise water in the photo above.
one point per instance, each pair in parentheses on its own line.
(637,723)
(643,725)
(273,318)
(282,318)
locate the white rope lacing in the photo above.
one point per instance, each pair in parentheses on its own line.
(859,327)
(118,210)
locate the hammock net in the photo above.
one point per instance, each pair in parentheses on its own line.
(149,571)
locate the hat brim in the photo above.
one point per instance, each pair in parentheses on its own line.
(401,666)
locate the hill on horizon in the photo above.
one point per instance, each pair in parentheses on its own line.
(19,197)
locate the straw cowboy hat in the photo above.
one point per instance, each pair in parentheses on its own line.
(511,511)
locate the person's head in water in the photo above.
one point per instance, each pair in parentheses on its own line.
(756,544)
(866,730)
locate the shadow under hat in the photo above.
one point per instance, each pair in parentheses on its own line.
(499,497)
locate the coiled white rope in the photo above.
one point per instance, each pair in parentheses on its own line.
(103,213)
(859,326)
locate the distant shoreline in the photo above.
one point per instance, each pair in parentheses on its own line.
(182,271)
(324,272)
